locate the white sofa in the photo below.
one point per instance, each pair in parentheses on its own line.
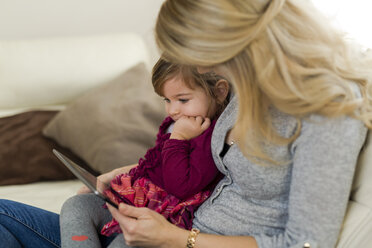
(357,227)
(50,73)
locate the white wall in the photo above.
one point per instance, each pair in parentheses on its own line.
(24,19)
(352,16)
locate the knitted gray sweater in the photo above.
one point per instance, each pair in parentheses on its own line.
(288,205)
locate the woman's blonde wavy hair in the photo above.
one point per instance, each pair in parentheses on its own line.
(281,53)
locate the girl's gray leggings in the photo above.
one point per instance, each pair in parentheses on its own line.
(82,218)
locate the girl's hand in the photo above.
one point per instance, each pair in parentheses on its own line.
(146,228)
(188,127)
(83,190)
(107,177)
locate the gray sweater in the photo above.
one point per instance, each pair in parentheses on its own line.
(288,205)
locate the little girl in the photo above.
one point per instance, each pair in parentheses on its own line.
(178,173)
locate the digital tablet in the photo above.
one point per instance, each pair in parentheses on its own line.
(86,177)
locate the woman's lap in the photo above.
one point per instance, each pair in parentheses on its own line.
(28,226)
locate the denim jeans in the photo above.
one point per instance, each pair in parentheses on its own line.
(26,226)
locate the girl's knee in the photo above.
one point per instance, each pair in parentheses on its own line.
(81,204)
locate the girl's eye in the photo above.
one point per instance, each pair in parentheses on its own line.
(183,100)
(166,100)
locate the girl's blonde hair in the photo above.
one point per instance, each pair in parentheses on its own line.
(280,53)
(164,70)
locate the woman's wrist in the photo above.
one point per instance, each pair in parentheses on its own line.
(176,237)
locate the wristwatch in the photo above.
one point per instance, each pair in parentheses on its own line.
(192,238)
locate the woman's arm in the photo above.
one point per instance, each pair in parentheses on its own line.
(145,228)
(324,159)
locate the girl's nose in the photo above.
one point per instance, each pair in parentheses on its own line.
(173,110)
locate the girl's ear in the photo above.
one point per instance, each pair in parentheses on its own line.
(222,90)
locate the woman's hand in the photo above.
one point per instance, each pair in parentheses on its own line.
(107,177)
(146,228)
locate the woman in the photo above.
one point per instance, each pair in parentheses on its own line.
(295,126)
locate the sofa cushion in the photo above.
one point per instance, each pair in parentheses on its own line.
(112,125)
(357,227)
(362,185)
(26,155)
(53,71)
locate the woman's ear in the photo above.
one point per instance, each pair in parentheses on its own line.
(222,90)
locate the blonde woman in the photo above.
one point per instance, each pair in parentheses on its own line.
(292,132)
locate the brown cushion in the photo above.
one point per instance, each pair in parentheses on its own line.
(112,125)
(26,155)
